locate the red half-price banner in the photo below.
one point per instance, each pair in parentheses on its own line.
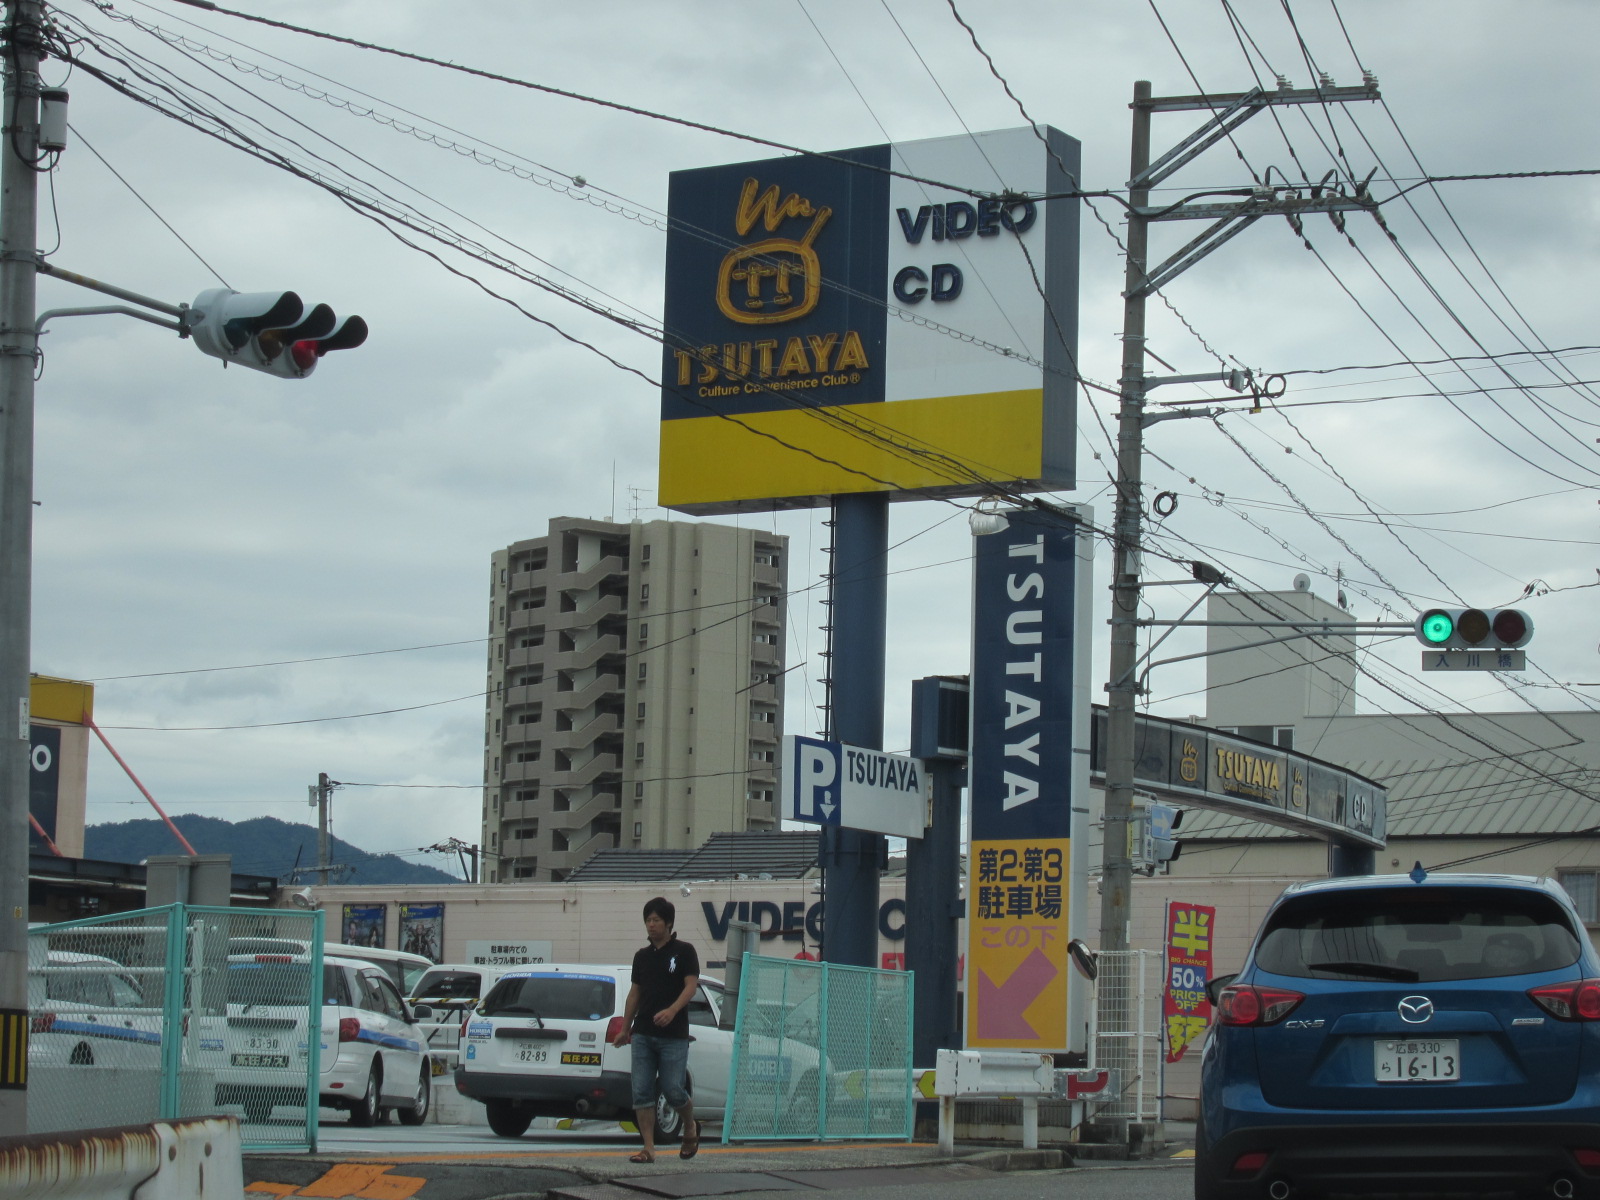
(1185,1009)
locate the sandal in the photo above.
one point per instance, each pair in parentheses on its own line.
(691,1145)
(642,1156)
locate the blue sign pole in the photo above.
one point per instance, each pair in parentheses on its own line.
(851,859)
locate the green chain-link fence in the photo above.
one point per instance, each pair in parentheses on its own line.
(820,1051)
(159,1014)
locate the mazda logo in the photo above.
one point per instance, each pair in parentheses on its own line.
(1414,1010)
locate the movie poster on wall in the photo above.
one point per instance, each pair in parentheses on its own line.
(422,930)
(363,924)
(1185,1007)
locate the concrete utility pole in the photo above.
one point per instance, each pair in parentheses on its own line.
(1141,281)
(321,791)
(18,343)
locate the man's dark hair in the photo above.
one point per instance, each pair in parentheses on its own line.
(661,907)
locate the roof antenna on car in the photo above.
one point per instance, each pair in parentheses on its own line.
(1417,873)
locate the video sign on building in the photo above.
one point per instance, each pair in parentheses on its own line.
(833,326)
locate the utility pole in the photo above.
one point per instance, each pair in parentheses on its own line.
(1141,280)
(18,344)
(321,793)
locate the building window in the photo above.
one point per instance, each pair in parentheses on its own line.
(644,669)
(1581,886)
(644,555)
(523,872)
(644,631)
(638,751)
(528,756)
(526,794)
(638,829)
(644,594)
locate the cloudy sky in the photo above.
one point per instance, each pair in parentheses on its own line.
(246,565)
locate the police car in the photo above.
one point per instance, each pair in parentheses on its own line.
(371,1059)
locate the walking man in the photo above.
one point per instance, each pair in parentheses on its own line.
(656,1022)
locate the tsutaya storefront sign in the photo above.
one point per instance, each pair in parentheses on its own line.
(833,326)
(1029,782)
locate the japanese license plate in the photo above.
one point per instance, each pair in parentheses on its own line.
(260,1060)
(533,1052)
(1418,1060)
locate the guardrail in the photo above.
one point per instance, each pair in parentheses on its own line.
(196,1159)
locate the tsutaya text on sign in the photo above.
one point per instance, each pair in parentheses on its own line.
(829,783)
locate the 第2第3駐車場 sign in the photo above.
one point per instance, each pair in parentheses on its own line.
(833,326)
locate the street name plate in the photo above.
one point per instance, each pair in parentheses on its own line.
(1475,660)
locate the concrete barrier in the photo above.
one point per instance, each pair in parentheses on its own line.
(198,1159)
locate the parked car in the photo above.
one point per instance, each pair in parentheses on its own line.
(455,987)
(371,1061)
(1407,1033)
(88,1010)
(539,1045)
(402,967)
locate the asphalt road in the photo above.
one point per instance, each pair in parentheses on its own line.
(445,1162)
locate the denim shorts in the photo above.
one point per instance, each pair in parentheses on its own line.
(663,1059)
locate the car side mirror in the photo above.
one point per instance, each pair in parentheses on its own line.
(1214,986)
(422,1012)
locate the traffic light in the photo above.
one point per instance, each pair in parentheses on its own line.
(1473,628)
(1150,835)
(269,331)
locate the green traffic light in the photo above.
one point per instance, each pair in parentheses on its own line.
(1437,628)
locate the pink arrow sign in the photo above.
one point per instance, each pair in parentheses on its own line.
(1000,1006)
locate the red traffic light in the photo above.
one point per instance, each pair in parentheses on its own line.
(1511,627)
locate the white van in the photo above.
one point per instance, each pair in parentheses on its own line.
(402,967)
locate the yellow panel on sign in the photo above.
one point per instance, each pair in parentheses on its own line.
(712,463)
(64,700)
(1017,967)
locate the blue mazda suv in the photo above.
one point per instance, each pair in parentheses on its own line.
(1406,1033)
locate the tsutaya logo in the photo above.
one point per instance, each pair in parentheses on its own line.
(769,282)
(780,260)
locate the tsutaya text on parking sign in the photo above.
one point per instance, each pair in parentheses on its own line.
(830,783)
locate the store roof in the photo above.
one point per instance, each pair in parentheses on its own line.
(781,854)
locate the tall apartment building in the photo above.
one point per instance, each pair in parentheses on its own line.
(635,691)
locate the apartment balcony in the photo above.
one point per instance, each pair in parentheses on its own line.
(527,693)
(526,656)
(523,582)
(516,737)
(767,578)
(521,810)
(760,811)
(765,732)
(520,620)
(762,693)
(767,616)
(523,772)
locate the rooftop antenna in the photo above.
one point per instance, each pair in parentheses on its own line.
(635,502)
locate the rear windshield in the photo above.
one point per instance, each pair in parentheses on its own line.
(450,985)
(282,983)
(1416,935)
(553,997)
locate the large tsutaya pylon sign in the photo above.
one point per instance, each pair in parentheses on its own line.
(835,328)
(1028,782)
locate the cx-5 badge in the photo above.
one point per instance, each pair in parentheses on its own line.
(1414,1010)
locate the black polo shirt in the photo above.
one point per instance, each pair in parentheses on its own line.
(660,975)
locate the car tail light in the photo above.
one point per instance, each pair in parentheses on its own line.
(42,1023)
(1586,1158)
(613,1028)
(349,1029)
(274,958)
(1250,1163)
(1250,1004)
(1576,1001)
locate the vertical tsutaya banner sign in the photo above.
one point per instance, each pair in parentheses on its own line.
(1185,1008)
(833,327)
(1029,777)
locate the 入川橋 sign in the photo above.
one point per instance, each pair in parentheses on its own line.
(833,326)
